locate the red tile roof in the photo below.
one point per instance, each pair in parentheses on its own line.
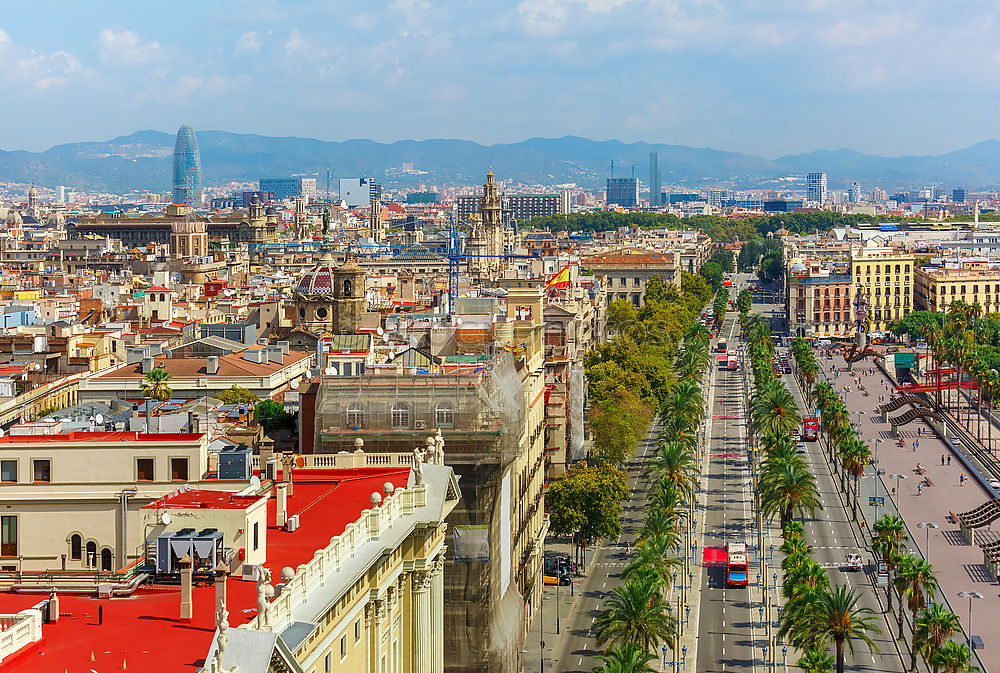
(117,437)
(192,499)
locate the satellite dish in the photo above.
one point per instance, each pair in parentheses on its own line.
(385,338)
(165,519)
(379,331)
(413,342)
(99,418)
(331,371)
(255,481)
(1,432)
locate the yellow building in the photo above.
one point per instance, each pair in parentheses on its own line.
(885,275)
(974,282)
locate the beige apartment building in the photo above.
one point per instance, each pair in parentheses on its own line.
(627,270)
(818,299)
(972,282)
(885,275)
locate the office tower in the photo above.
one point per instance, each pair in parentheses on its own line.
(62,194)
(816,187)
(187,168)
(519,207)
(717,196)
(958,195)
(359,191)
(289,188)
(623,192)
(879,195)
(855,193)
(655,198)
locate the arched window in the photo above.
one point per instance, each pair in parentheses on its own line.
(348,287)
(356,415)
(106,559)
(75,547)
(444,415)
(163,297)
(400,416)
(897,268)
(91,560)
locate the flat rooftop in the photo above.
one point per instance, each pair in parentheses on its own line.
(144,630)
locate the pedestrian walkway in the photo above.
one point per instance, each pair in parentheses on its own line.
(928,495)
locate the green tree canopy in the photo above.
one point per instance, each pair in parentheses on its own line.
(237,395)
(587,500)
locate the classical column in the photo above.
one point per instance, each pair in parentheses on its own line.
(422,629)
(437,615)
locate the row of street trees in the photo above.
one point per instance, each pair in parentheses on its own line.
(968,340)
(637,617)
(912,579)
(816,613)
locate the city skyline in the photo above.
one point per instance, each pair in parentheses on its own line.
(769,81)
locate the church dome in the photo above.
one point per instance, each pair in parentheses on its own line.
(319,279)
(270,211)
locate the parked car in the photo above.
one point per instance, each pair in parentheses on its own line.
(854,563)
(994,483)
(800,447)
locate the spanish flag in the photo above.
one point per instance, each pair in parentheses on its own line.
(561,279)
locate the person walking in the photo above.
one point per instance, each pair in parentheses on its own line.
(920,488)
(942,459)
(949,461)
(961,479)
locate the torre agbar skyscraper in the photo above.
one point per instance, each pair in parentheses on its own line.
(187,167)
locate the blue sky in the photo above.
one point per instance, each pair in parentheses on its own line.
(768,77)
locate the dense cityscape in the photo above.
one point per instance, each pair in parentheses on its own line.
(651,417)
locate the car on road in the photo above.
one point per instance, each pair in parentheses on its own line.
(994,483)
(800,447)
(854,563)
(955,441)
(796,435)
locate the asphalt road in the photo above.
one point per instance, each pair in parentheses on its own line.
(732,631)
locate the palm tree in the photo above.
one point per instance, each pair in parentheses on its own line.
(660,522)
(788,490)
(804,579)
(654,555)
(887,542)
(628,658)
(685,402)
(816,661)
(934,625)
(154,384)
(637,614)
(915,583)
(832,615)
(793,530)
(953,657)
(665,495)
(854,456)
(773,410)
(674,462)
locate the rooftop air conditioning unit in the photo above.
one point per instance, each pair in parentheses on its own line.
(419,425)
(292,524)
(251,572)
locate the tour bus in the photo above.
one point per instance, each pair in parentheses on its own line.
(810,429)
(737,572)
(723,361)
(732,364)
(722,346)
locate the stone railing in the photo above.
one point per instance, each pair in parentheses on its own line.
(347,460)
(19,630)
(310,576)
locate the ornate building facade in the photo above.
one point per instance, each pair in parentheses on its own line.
(486,237)
(331,298)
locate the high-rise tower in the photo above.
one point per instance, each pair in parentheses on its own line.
(816,187)
(187,168)
(654,179)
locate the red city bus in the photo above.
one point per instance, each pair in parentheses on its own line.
(732,364)
(810,429)
(722,346)
(737,570)
(723,361)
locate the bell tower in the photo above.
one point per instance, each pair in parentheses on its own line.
(349,296)
(375,228)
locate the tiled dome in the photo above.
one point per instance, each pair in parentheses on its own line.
(319,279)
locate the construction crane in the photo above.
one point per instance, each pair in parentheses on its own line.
(451,251)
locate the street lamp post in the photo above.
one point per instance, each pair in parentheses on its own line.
(927,526)
(970,595)
(897,477)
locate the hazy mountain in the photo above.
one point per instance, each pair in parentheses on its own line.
(142,161)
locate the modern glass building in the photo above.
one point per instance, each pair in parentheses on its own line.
(187,167)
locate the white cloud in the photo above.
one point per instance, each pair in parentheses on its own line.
(295,44)
(45,71)
(248,43)
(874,29)
(125,46)
(363,21)
(4,36)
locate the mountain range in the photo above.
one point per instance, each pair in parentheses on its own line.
(142,161)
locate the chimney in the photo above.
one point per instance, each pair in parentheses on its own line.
(283,345)
(147,365)
(281,515)
(187,607)
(212,364)
(195,422)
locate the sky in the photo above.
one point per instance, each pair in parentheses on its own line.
(767,77)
